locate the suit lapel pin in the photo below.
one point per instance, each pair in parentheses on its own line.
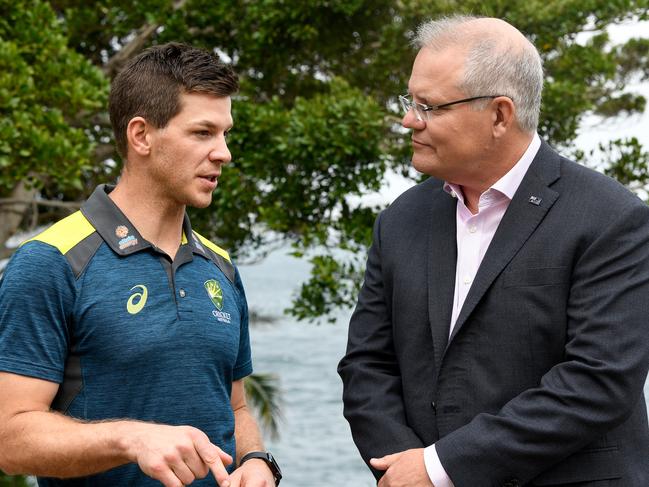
(535,200)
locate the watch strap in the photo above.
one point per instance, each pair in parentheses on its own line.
(266,457)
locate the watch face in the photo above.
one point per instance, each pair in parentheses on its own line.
(276,471)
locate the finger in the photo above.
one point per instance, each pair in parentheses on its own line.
(196,464)
(165,475)
(220,473)
(183,473)
(384,463)
(214,458)
(225,458)
(215,464)
(209,452)
(235,479)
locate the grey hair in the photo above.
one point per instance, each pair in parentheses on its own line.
(492,67)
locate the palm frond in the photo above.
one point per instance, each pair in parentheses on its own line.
(264,395)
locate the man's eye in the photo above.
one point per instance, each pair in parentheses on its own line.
(226,134)
(438,110)
(202,133)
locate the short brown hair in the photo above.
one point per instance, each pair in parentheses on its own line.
(150,85)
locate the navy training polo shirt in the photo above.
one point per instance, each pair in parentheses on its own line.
(91,305)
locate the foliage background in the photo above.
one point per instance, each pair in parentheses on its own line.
(316,118)
(316,121)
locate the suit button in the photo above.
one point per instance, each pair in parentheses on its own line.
(433,405)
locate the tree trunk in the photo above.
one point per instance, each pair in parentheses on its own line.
(12,214)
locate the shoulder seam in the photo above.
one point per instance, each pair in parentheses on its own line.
(213,247)
(65,234)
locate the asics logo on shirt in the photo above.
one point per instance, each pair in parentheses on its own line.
(137,300)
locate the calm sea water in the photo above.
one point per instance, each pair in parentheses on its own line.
(315,448)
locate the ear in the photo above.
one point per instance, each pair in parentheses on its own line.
(137,133)
(504,116)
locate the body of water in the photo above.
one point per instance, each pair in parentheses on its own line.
(315,447)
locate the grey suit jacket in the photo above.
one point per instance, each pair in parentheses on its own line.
(541,382)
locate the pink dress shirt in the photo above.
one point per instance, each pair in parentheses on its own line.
(474,234)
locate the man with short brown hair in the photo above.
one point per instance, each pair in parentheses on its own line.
(123,332)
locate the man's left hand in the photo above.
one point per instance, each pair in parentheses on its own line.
(253,473)
(403,469)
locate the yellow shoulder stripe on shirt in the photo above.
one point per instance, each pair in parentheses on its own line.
(65,233)
(213,247)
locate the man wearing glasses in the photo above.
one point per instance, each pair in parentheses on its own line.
(500,334)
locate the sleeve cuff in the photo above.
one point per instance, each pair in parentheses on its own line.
(434,468)
(242,371)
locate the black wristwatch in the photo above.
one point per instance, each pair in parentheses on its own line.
(269,459)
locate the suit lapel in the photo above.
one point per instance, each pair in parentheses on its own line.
(527,209)
(442,257)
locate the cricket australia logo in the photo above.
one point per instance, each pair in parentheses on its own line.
(215,293)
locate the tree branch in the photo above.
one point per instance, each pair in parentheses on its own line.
(196,31)
(6,252)
(74,205)
(135,45)
(34,222)
(114,64)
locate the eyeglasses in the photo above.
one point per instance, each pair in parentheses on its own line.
(421,110)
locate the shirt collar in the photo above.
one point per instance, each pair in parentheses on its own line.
(117,231)
(509,183)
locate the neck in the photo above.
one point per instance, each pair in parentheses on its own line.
(499,161)
(159,220)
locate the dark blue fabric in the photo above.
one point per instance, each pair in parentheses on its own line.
(541,381)
(173,362)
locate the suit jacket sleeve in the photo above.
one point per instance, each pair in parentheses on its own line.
(370,372)
(600,380)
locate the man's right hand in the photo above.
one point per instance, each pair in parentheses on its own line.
(37,441)
(175,455)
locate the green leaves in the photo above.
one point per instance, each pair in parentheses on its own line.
(44,88)
(316,122)
(18,481)
(294,167)
(333,286)
(626,161)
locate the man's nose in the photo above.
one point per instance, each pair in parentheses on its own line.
(220,153)
(410,121)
